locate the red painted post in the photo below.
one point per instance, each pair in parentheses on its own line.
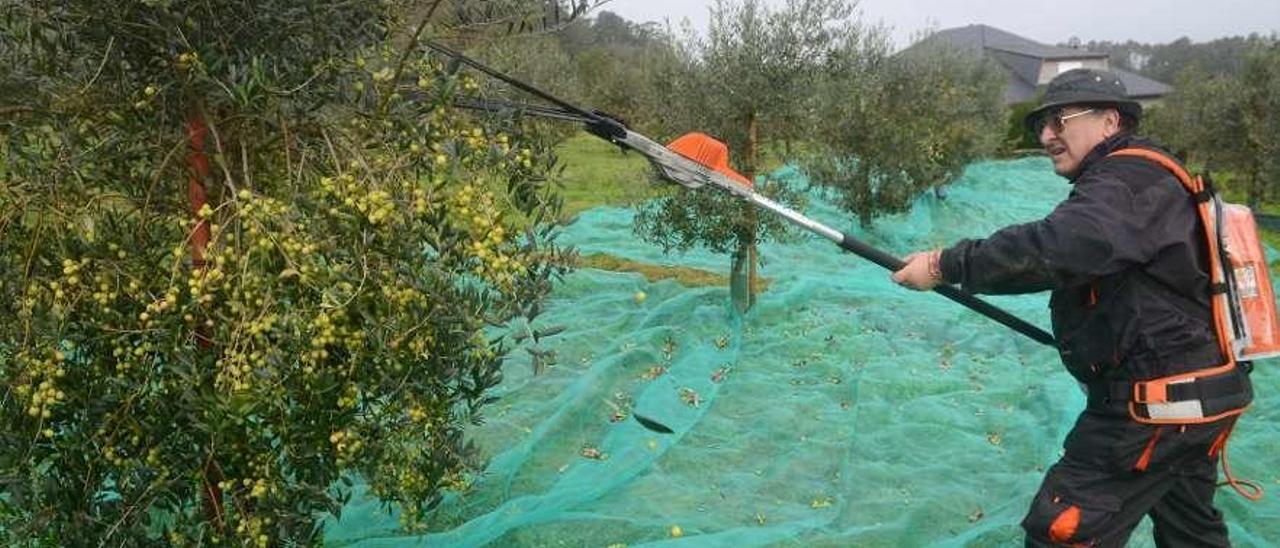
(198,195)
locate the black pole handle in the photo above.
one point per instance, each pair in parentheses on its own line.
(893,264)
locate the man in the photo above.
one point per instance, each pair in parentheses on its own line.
(1127,263)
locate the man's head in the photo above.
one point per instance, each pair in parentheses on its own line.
(1081,108)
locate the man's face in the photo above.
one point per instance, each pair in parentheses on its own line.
(1071,132)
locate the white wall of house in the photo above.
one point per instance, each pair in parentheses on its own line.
(1051,68)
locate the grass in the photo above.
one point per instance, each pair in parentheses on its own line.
(597,173)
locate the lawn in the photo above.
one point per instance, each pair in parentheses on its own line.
(597,173)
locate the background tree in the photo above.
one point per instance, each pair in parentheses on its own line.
(894,127)
(536,58)
(1261,113)
(746,84)
(619,65)
(1200,119)
(1226,124)
(236,265)
(1163,62)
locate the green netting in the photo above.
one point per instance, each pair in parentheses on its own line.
(852,413)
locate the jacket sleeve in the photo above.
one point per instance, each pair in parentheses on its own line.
(1104,226)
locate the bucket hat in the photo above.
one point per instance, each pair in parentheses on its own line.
(1085,87)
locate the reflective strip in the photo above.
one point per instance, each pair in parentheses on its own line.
(1189,409)
(1184,409)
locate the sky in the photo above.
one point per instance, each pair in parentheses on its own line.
(1150,21)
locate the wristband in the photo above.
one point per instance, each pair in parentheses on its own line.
(935,264)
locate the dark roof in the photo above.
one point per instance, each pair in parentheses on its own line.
(1024,58)
(1024,73)
(1141,87)
(980,37)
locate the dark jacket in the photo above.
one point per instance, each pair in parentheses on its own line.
(1125,257)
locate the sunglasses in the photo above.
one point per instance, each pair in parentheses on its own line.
(1057,120)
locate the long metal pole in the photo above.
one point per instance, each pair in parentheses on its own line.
(687,172)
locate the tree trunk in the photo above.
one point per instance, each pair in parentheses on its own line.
(1256,187)
(753,150)
(744,282)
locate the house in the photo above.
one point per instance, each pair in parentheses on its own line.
(1031,65)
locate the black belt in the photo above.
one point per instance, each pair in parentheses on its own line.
(1217,394)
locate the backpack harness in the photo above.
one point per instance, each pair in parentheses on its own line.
(1245,323)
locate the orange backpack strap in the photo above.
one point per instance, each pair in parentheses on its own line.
(1194,185)
(1209,219)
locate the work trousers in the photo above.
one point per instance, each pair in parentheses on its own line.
(1115,471)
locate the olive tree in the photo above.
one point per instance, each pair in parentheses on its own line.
(238,264)
(747,84)
(896,126)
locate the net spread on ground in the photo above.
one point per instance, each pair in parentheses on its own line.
(841,411)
